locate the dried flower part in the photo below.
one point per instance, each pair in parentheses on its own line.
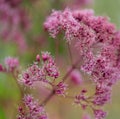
(76,77)
(61,88)
(32,109)
(11,63)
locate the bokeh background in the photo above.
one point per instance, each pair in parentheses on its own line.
(37,40)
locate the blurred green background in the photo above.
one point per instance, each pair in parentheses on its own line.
(37,40)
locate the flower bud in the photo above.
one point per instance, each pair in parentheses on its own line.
(75,77)
(38,58)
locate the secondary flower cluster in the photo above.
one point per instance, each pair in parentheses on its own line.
(98,42)
(13,18)
(35,72)
(43,70)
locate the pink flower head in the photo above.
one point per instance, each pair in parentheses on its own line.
(75,77)
(53,23)
(11,63)
(35,73)
(74,30)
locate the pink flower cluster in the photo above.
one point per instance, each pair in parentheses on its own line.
(32,109)
(35,72)
(13,18)
(98,42)
(85,101)
(44,70)
(11,63)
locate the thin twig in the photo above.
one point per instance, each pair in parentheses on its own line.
(73,67)
(48,97)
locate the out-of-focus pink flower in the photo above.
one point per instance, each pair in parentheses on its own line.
(13,20)
(1,68)
(86,116)
(99,114)
(11,63)
(77,4)
(19,39)
(13,3)
(83,2)
(76,77)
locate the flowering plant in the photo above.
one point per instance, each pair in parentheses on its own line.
(97,44)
